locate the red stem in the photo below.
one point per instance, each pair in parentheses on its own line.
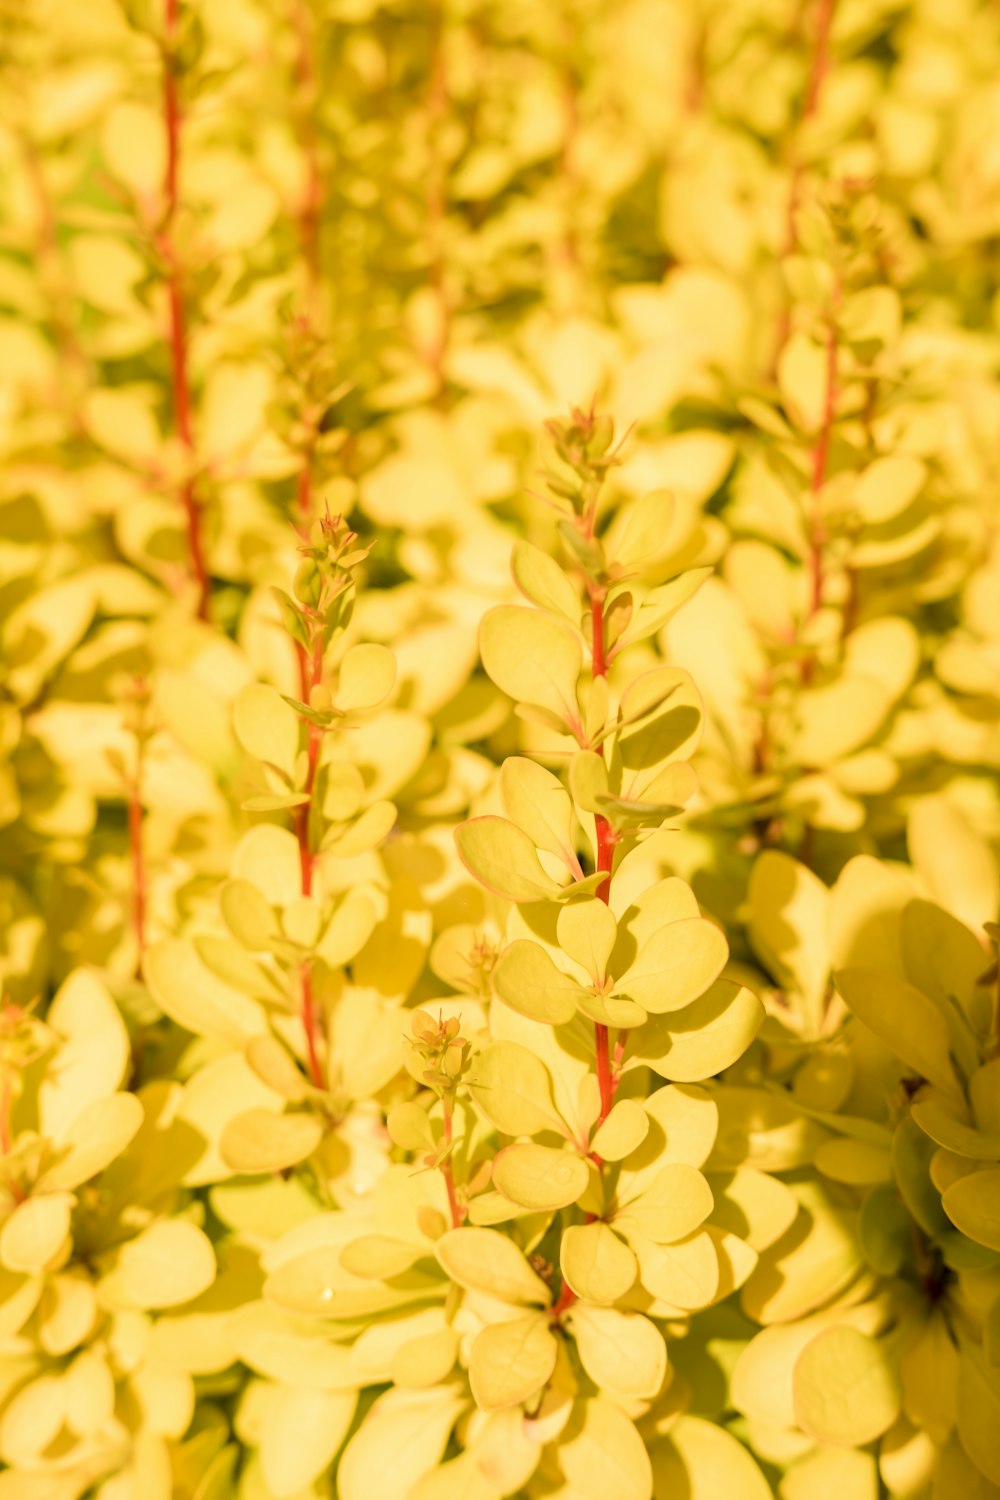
(139,883)
(175,294)
(820,459)
(457,1216)
(818,71)
(605,859)
(307,862)
(6,1107)
(437,196)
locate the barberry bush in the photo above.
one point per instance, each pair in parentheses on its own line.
(500,710)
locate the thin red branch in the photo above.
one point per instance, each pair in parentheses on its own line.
(180,381)
(139,877)
(457,1216)
(819,70)
(437,195)
(307,862)
(818,469)
(605,860)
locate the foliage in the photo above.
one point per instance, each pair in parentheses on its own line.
(499,811)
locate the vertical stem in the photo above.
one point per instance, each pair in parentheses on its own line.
(436,202)
(819,69)
(605,859)
(180,381)
(457,1216)
(307,861)
(6,1132)
(820,459)
(139,880)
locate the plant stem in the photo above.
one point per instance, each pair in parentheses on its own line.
(819,69)
(6,1134)
(139,879)
(175,297)
(457,1216)
(820,459)
(436,200)
(605,837)
(307,862)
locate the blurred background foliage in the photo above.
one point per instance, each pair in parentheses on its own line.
(261,260)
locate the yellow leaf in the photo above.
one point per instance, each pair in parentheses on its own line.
(504,859)
(787,928)
(973,1206)
(956,863)
(812,1262)
(622,1352)
(803,381)
(259,1140)
(846,1390)
(33,1237)
(542,580)
(510,1361)
(402,1438)
(904,1019)
(530,983)
(675,965)
(670,1207)
(94,1054)
(366,677)
(888,486)
(301,1433)
(601,1454)
(266,727)
(624,1129)
(135,147)
(192,996)
(833,1474)
(684,1274)
(534,658)
(703,1038)
(169,1263)
(596,1263)
(834,720)
(979,1413)
(512,1088)
(702,1461)
(539,1177)
(485,1260)
(97,1135)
